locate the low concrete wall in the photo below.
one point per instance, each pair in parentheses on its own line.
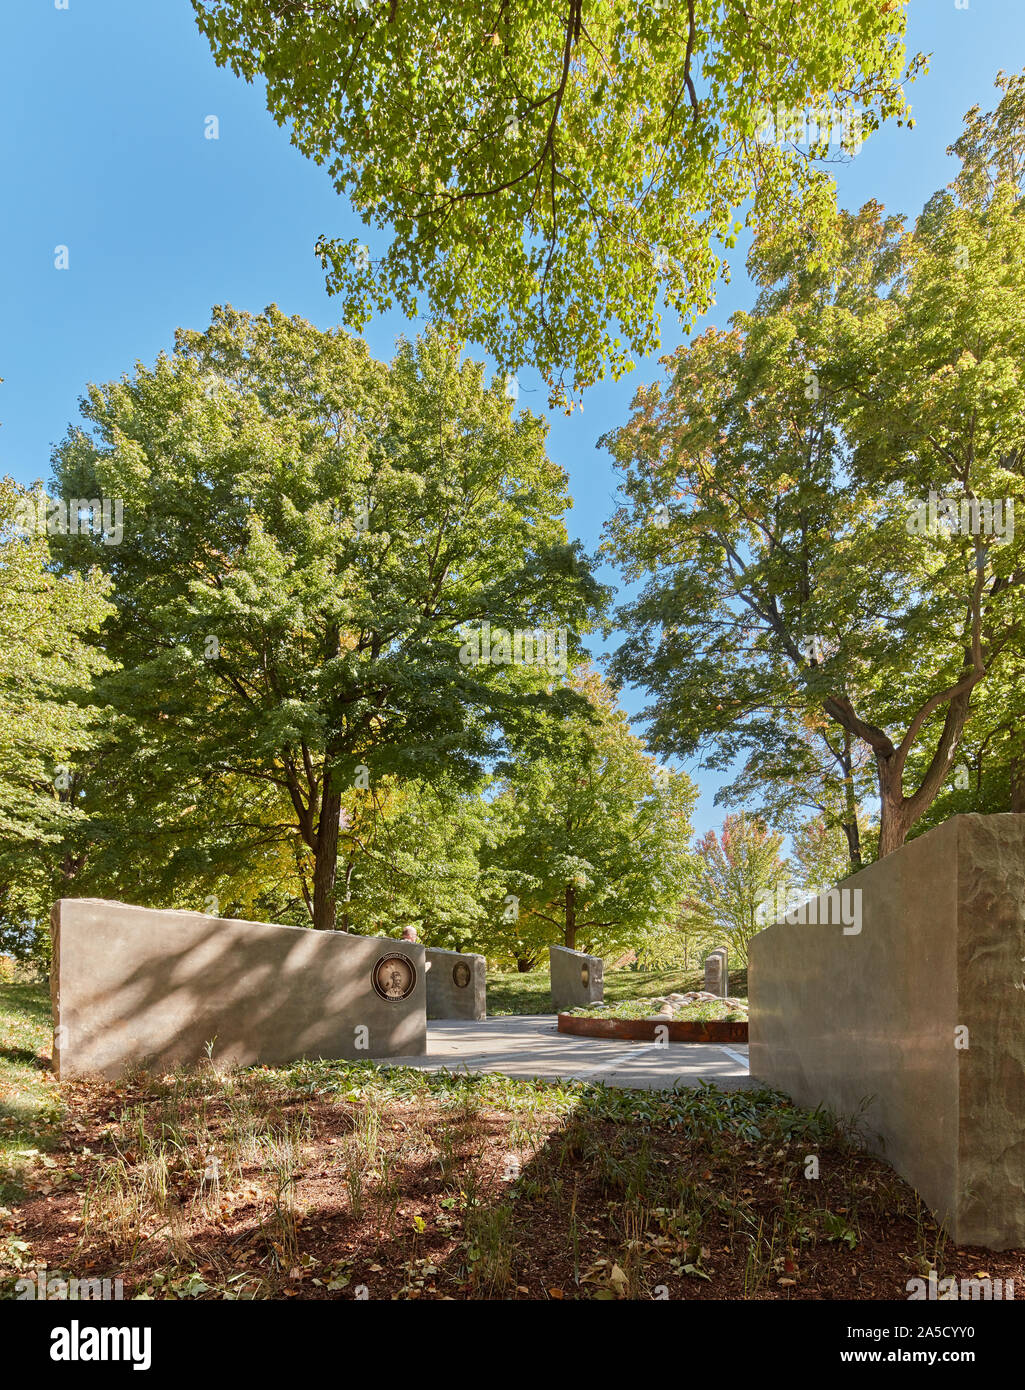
(456,984)
(135,986)
(577,980)
(915,1021)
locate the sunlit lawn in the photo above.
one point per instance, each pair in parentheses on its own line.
(28,1094)
(512,993)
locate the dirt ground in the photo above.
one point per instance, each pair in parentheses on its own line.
(342,1181)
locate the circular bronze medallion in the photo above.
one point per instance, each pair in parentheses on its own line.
(394,976)
(461,974)
(585,976)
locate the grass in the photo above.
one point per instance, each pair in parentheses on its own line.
(512,993)
(707,1010)
(29,1099)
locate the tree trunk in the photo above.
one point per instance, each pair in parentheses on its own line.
(524,964)
(326,865)
(853,834)
(71,866)
(897,812)
(850,821)
(894,812)
(1018,785)
(343,921)
(571,916)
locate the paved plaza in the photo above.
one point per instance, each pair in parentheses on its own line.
(528,1045)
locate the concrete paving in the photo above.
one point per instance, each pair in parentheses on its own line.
(530,1045)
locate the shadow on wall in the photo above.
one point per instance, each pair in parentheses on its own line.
(137,986)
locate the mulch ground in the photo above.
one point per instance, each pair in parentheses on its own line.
(446,1196)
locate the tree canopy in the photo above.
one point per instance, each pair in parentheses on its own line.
(548,172)
(48,722)
(737,879)
(308,536)
(822,496)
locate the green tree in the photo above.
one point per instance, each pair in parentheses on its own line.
(810,766)
(591,836)
(989,775)
(819,858)
(47,723)
(548,172)
(780,501)
(409,856)
(735,874)
(161,833)
(307,534)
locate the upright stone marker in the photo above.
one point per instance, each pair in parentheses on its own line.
(577,980)
(900,998)
(716,978)
(456,984)
(136,987)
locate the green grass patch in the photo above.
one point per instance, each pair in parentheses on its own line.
(29,1108)
(378,1083)
(706,1011)
(512,993)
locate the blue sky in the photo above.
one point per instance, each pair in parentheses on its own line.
(103,151)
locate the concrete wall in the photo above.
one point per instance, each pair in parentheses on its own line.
(577,980)
(456,984)
(866,1021)
(136,986)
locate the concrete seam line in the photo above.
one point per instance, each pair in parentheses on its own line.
(736,1056)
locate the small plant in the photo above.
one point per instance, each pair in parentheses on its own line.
(283,1154)
(361,1155)
(488,1249)
(836,1228)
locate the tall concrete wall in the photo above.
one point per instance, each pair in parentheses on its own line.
(135,986)
(456,984)
(915,1021)
(577,980)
